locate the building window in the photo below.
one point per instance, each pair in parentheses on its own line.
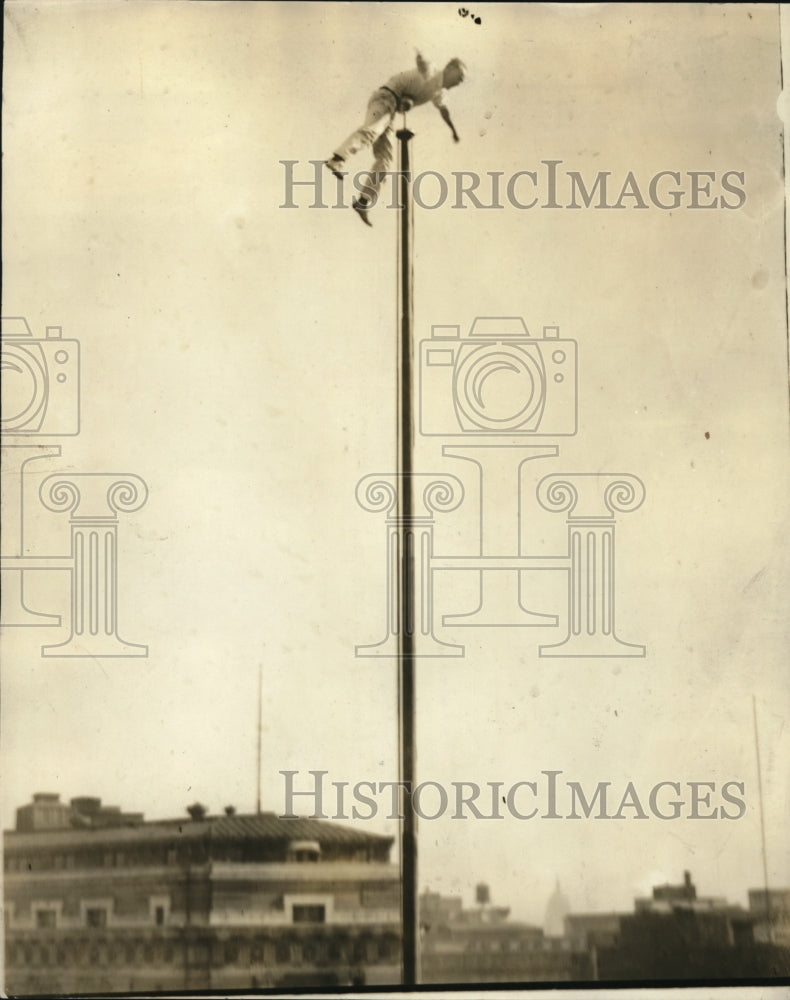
(304,850)
(309,914)
(95,916)
(159,909)
(46,918)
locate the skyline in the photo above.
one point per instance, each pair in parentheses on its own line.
(469,892)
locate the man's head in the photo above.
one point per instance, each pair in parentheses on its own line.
(454,73)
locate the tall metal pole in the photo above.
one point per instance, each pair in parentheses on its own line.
(258,757)
(406,632)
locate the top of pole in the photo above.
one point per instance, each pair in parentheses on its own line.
(404,132)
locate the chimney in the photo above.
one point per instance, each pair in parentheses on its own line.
(688,885)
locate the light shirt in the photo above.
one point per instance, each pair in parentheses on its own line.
(419,88)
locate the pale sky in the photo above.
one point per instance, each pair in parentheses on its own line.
(240,357)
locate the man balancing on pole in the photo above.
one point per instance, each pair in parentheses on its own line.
(400,93)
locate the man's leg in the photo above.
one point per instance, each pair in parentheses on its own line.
(382,152)
(377,118)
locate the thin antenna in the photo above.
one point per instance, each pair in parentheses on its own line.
(762,822)
(258,758)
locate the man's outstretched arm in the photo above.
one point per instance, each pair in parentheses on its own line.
(423,65)
(446,117)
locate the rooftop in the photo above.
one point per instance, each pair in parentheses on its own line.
(86,821)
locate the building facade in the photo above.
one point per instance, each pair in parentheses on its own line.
(771,912)
(102,901)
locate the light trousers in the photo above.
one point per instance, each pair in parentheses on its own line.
(376,132)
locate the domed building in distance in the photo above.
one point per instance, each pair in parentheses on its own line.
(557,909)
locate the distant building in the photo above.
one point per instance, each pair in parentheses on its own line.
(771,914)
(669,897)
(101,901)
(482,945)
(47,812)
(557,909)
(676,935)
(669,893)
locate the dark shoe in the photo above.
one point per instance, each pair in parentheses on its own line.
(362,208)
(334,165)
